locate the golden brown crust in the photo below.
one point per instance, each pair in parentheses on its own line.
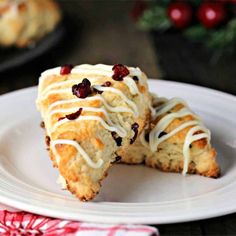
(82,179)
(26,21)
(204,164)
(169,155)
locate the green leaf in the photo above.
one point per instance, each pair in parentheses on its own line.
(196,32)
(216,39)
(232,24)
(196,2)
(155,18)
(224,37)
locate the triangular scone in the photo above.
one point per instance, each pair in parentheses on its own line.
(175,141)
(90,112)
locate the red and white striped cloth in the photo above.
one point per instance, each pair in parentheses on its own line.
(13,222)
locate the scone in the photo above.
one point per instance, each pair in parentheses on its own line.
(175,141)
(90,112)
(25,21)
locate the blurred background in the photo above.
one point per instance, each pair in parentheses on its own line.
(188,41)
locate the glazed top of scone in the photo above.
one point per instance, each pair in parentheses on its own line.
(168,111)
(106,92)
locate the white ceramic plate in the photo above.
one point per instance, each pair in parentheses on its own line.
(130,194)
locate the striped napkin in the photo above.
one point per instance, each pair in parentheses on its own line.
(14,222)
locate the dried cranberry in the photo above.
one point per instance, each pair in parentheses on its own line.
(117,139)
(117,158)
(42,125)
(97,91)
(66,69)
(74,115)
(134,127)
(135,78)
(61,118)
(120,71)
(82,90)
(47,140)
(162,134)
(106,84)
(147,137)
(86,82)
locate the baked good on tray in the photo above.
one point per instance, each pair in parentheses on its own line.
(23,22)
(90,112)
(176,140)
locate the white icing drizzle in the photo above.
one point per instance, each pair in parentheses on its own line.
(152,104)
(58,84)
(168,106)
(132,85)
(53,71)
(117,91)
(55,91)
(89,71)
(190,137)
(164,122)
(99,69)
(75,144)
(118,128)
(96,97)
(136,72)
(153,111)
(121,132)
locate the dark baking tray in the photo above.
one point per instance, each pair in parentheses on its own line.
(15,57)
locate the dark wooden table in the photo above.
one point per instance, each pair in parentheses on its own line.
(102,31)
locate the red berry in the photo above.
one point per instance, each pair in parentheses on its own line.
(180,14)
(66,69)
(107,84)
(120,71)
(134,127)
(82,90)
(74,115)
(139,7)
(47,140)
(117,139)
(211,14)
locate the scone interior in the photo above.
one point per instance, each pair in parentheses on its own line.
(90,113)
(175,141)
